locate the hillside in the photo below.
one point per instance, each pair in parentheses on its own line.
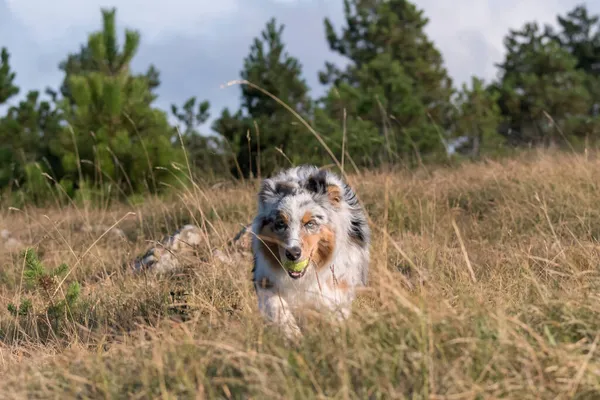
(486,287)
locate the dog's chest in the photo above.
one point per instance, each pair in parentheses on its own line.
(322,289)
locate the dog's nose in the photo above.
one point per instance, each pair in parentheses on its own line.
(293,253)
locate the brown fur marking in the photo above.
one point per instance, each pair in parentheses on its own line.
(340,284)
(284,217)
(335,194)
(264,283)
(321,245)
(306,218)
(268,245)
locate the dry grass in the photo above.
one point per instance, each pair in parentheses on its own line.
(486,287)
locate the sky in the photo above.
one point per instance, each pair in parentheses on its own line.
(199,45)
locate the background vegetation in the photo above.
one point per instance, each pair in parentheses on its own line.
(392,104)
(484,284)
(483,202)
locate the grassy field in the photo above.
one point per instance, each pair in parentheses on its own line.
(484,284)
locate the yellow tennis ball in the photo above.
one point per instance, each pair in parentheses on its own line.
(296,266)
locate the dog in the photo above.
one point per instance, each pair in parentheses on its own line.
(310,241)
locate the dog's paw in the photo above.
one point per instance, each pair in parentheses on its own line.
(292,333)
(293,339)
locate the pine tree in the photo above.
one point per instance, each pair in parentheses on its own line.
(229,127)
(123,138)
(7,77)
(7,90)
(270,67)
(539,78)
(189,116)
(85,62)
(579,34)
(478,118)
(75,64)
(205,153)
(25,135)
(394,89)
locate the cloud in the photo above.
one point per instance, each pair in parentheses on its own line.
(470,33)
(48,21)
(198,45)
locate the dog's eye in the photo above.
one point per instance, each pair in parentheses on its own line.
(310,225)
(279,225)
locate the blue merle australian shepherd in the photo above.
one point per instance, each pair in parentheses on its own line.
(311,246)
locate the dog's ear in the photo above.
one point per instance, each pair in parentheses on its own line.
(334,194)
(267,192)
(270,190)
(317,183)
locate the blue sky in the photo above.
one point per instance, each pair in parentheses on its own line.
(198,45)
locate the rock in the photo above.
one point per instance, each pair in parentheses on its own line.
(239,246)
(185,238)
(158,260)
(9,242)
(166,256)
(232,258)
(13,244)
(100,229)
(243,240)
(4,234)
(118,232)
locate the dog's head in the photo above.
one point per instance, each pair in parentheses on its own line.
(299,218)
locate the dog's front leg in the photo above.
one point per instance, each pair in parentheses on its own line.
(276,310)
